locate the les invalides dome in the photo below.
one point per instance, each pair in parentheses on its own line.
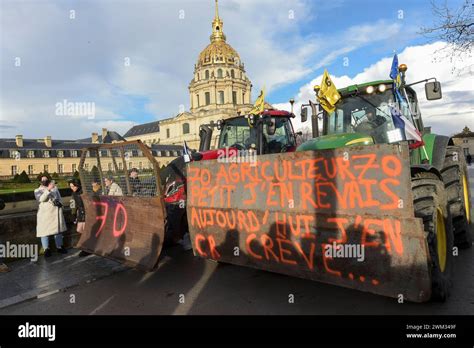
(219,75)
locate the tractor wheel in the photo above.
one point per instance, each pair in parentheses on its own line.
(456,181)
(430,203)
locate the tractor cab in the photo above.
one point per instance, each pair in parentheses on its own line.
(269,132)
(365,115)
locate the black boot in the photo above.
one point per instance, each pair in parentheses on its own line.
(84,253)
(62,250)
(47,252)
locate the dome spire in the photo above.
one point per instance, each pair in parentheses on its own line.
(217,24)
(217,10)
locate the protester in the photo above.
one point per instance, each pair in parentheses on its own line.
(113,189)
(135,183)
(79,211)
(96,187)
(50,217)
(3,267)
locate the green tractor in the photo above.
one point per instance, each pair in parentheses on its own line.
(439,176)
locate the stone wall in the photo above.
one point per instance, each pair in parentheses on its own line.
(21,229)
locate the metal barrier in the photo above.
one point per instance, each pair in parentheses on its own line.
(124,207)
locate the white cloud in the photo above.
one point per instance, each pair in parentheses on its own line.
(446,116)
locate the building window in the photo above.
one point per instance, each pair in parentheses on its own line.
(219,73)
(60,154)
(60,168)
(208,98)
(130,165)
(109,167)
(465,141)
(234,97)
(232,74)
(185,128)
(207,74)
(221,97)
(31,154)
(167,153)
(140,165)
(30,169)
(167,132)
(73,153)
(466,151)
(14,170)
(243,98)
(86,166)
(197,99)
(15,154)
(46,154)
(120,166)
(74,167)
(45,168)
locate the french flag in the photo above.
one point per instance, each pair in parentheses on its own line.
(407,128)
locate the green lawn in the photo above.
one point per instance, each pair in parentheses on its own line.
(11,187)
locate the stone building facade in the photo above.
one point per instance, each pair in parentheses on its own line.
(218,90)
(36,156)
(465,140)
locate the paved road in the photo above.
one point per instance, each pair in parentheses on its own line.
(211,288)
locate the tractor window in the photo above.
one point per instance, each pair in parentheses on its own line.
(235,131)
(366,114)
(282,139)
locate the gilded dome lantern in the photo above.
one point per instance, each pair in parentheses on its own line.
(219,75)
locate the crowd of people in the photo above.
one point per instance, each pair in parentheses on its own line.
(50,216)
(51,223)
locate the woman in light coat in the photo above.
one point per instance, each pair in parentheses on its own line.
(113,189)
(50,217)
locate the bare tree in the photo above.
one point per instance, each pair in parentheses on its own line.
(455,27)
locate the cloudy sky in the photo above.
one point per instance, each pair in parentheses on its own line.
(135,59)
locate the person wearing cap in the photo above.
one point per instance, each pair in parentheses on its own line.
(113,189)
(135,183)
(96,187)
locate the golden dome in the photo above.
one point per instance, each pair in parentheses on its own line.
(218,51)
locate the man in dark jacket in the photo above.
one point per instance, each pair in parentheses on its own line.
(135,183)
(78,211)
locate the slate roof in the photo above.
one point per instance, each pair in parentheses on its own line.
(466,133)
(146,128)
(38,144)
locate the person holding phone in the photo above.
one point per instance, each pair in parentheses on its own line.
(50,218)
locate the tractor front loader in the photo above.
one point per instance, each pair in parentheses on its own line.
(362,205)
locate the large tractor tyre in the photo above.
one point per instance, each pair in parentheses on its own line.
(456,181)
(430,203)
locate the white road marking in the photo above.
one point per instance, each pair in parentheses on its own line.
(48,293)
(183,308)
(102,305)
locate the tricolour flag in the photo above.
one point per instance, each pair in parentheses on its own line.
(407,128)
